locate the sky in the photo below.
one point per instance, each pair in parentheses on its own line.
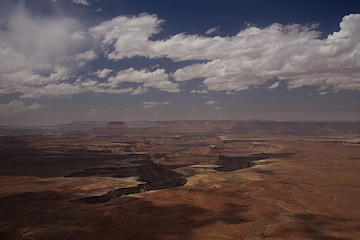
(128,60)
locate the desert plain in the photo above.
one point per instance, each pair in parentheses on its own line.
(209,179)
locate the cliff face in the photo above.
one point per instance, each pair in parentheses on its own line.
(139,124)
(153,175)
(197,124)
(230,163)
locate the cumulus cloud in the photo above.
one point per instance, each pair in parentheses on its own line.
(128,36)
(213,30)
(273,86)
(17,107)
(37,50)
(293,53)
(39,56)
(82,2)
(210,103)
(67,89)
(139,91)
(154,104)
(157,79)
(199,91)
(103,73)
(87,56)
(52,90)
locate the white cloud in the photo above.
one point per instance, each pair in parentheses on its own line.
(210,103)
(203,91)
(128,36)
(52,90)
(68,89)
(217,108)
(82,2)
(293,53)
(35,106)
(154,104)
(39,56)
(36,51)
(103,73)
(17,107)
(181,47)
(157,79)
(273,86)
(86,56)
(139,91)
(213,30)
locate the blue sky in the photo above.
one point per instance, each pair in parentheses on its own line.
(165,60)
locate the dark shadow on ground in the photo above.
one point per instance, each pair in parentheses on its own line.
(48,215)
(233,163)
(264,171)
(19,159)
(314,226)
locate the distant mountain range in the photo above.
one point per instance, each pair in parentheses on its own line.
(233,126)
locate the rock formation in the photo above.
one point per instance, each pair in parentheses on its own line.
(115,124)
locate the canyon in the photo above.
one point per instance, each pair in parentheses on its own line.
(204,179)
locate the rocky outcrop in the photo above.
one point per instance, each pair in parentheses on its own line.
(139,124)
(213,149)
(160,158)
(115,124)
(264,148)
